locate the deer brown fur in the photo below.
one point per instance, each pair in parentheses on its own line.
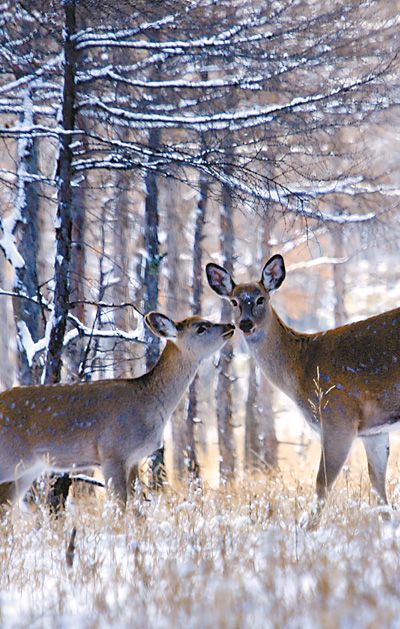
(110,424)
(346,381)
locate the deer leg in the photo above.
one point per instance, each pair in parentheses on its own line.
(377,450)
(7,493)
(334,452)
(335,447)
(115,476)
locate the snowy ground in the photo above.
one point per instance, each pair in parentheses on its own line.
(205,559)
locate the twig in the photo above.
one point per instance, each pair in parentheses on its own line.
(70,552)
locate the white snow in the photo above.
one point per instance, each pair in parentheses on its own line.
(27,344)
(7,241)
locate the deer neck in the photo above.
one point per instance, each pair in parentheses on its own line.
(278,351)
(170,377)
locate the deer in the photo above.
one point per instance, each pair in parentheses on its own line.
(110,424)
(345,381)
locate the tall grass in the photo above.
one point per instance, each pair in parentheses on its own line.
(232,557)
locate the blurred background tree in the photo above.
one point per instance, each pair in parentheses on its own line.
(141,141)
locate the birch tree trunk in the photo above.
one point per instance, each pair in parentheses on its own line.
(26,313)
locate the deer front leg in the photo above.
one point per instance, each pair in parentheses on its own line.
(377,451)
(335,447)
(114,472)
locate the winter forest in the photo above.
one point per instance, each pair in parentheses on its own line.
(140,141)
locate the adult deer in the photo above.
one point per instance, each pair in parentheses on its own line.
(110,424)
(346,381)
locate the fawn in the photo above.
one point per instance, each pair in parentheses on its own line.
(110,424)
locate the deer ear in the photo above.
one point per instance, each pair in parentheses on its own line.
(161,325)
(273,273)
(220,280)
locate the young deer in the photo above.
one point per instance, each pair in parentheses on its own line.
(110,423)
(346,381)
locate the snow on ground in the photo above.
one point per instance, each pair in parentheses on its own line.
(204,558)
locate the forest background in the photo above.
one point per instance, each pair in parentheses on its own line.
(140,141)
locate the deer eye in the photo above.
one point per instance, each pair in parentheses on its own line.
(201,328)
(234,302)
(260,301)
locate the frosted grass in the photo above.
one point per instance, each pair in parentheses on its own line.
(234,557)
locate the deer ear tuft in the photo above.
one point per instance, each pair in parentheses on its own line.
(273,273)
(219,280)
(161,325)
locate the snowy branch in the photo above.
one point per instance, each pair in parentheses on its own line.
(7,240)
(23,81)
(83,330)
(268,190)
(233,121)
(32,348)
(116,40)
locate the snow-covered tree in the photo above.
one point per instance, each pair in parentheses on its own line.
(286,97)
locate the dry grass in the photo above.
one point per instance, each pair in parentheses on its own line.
(235,557)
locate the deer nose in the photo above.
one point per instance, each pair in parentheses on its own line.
(246,325)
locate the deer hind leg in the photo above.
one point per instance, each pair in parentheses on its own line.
(114,472)
(377,450)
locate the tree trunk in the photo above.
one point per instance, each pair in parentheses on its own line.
(26,235)
(122,236)
(7,353)
(176,300)
(261,446)
(122,317)
(260,439)
(224,382)
(64,216)
(151,278)
(151,245)
(197,290)
(339,275)
(52,371)
(78,267)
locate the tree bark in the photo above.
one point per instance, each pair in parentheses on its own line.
(122,237)
(176,300)
(260,439)
(197,290)
(261,446)
(339,275)
(26,235)
(64,221)
(151,278)
(64,216)
(7,367)
(151,245)
(224,381)
(78,267)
